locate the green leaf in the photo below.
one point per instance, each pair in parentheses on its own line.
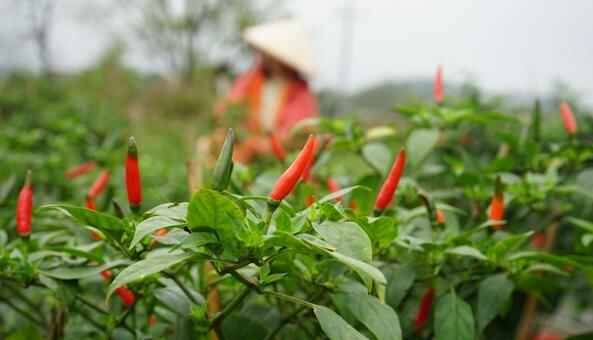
(466,251)
(398,284)
(362,268)
(150,225)
(174,298)
(493,293)
(224,164)
(175,211)
(74,273)
(419,144)
(341,193)
(145,268)
(379,318)
(199,239)
(453,319)
(379,155)
(381,230)
(350,241)
(348,238)
(334,326)
(111,226)
(583,224)
(211,209)
(503,248)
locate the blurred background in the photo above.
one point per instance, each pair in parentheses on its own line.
(84,75)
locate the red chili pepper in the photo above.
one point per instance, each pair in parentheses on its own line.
(125,294)
(133,182)
(537,240)
(440,216)
(160,232)
(310,201)
(353,205)
(24,207)
(545,334)
(99,184)
(291,176)
(81,169)
(424,311)
(106,274)
(570,123)
(277,148)
(497,204)
(438,86)
(333,186)
(151,320)
(307,171)
(386,193)
(90,204)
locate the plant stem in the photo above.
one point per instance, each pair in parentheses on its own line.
(217,319)
(288,298)
(92,304)
(185,290)
(23,313)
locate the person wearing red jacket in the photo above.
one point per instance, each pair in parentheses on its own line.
(275,90)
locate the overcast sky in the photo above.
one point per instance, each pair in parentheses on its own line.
(505,45)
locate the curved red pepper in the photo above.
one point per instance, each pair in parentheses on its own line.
(291,176)
(277,148)
(388,189)
(497,205)
(570,123)
(24,207)
(424,310)
(307,170)
(81,169)
(438,92)
(99,184)
(133,181)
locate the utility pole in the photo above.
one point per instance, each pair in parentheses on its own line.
(345,57)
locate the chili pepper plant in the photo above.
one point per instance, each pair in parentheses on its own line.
(418,231)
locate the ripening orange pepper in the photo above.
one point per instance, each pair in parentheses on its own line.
(440,216)
(570,123)
(497,204)
(388,189)
(24,207)
(438,91)
(291,176)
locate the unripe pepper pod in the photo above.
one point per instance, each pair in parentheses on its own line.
(277,148)
(388,189)
(497,204)
(24,207)
(224,164)
(424,310)
(438,92)
(290,177)
(81,169)
(99,184)
(133,181)
(570,123)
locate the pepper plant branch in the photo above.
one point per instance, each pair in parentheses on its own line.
(16,308)
(185,290)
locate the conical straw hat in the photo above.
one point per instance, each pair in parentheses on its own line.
(287,40)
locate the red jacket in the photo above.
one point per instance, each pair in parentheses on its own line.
(298,101)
